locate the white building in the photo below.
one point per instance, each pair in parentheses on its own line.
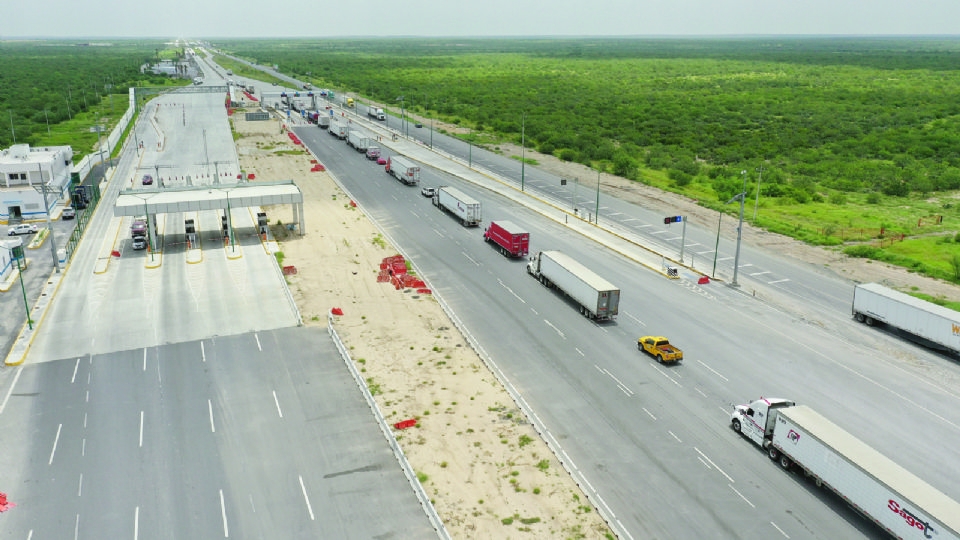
(23,170)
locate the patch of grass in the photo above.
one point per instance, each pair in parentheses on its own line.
(524,440)
(422,477)
(543,465)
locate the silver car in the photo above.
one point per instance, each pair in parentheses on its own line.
(23,228)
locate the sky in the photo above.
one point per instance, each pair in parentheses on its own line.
(194,19)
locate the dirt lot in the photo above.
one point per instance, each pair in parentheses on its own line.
(482,464)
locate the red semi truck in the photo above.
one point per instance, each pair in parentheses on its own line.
(511,240)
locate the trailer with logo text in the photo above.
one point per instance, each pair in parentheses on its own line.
(889,495)
(925,322)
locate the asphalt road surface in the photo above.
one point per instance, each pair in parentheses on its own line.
(654,441)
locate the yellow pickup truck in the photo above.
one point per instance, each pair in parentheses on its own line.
(660,348)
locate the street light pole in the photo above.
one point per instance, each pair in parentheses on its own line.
(716,248)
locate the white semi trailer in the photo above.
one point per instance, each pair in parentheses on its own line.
(598,298)
(358,141)
(933,325)
(889,495)
(458,203)
(403,170)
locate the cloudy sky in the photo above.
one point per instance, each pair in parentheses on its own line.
(249,18)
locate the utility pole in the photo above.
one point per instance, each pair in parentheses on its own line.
(757,203)
(736,259)
(523,148)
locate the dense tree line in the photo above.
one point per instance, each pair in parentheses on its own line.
(46,81)
(842,114)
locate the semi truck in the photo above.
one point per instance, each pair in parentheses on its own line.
(464,207)
(598,298)
(358,141)
(323,120)
(925,322)
(338,128)
(374,112)
(510,239)
(373,152)
(403,170)
(886,493)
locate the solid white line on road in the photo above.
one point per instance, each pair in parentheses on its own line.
(742,497)
(705,464)
(645,225)
(619,383)
(30,534)
(714,371)
(75,368)
(779,529)
(87,398)
(555,328)
(704,252)
(744,265)
(304,490)
(223,514)
(55,441)
(674,436)
(203,352)
(210,408)
(415,214)
(650,414)
(761,273)
(84,420)
(636,319)
(15,378)
(141,429)
(700,392)
(277,401)
(80,486)
(83,447)
(257,337)
(672,239)
(624,529)
(604,503)
(471,260)
(777,281)
(579,351)
(616,214)
(725,412)
(88,378)
(659,232)
(76,528)
(693,244)
(714,465)
(534,311)
(724,259)
(136,523)
(631,219)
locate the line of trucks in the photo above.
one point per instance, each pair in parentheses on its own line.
(796,436)
(355,139)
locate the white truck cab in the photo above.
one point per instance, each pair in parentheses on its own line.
(756,420)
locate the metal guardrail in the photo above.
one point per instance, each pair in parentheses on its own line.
(385,429)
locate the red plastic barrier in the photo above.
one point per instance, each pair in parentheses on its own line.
(251,176)
(4,503)
(115,253)
(405,424)
(353,204)
(703,280)
(424,291)
(289,270)
(336,311)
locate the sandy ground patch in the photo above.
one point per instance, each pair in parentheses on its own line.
(480,461)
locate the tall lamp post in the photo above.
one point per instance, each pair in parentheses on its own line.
(403,115)
(17,253)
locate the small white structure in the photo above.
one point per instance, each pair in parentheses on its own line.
(23,170)
(7,263)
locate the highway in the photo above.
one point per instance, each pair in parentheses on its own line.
(654,442)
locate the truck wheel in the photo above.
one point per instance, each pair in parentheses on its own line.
(869,321)
(660,358)
(773,452)
(785,463)
(639,347)
(736,426)
(859,317)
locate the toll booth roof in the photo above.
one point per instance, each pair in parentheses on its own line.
(212,197)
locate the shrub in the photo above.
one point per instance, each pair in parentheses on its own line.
(863,251)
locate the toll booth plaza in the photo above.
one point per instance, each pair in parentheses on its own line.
(220,197)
